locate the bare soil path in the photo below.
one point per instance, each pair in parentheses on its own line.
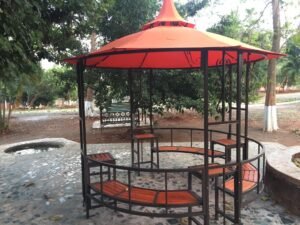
(65,124)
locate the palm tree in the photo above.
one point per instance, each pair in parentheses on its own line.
(290,70)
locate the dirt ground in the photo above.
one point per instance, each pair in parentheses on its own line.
(66,125)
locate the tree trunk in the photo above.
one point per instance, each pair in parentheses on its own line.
(10,109)
(93,42)
(89,111)
(5,115)
(270,114)
(32,101)
(2,118)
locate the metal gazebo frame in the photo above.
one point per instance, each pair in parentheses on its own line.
(236,55)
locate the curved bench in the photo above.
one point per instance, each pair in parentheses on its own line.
(250,180)
(113,191)
(119,191)
(185,149)
(214,170)
(109,189)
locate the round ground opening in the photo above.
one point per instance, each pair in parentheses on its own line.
(296,159)
(33,148)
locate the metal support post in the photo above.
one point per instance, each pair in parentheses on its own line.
(131,115)
(80,85)
(205,191)
(223,85)
(246,145)
(230,102)
(238,175)
(150,99)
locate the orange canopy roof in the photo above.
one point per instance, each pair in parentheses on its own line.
(169,42)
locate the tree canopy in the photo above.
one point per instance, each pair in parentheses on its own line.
(32,30)
(290,65)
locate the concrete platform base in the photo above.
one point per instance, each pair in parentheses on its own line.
(283,179)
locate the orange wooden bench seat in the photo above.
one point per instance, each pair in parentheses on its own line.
(249,179)
(148,197)
(101,157)
(192,150)
(213,172)
(225,142)
(250,173)
(246,185)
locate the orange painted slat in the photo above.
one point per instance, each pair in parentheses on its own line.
(250,173)
(110,188)
(177,198)
(138,195)
(225,141)
(144,136)
(102,157)
(249,178)
(120,191)
(192,150)
(168,148)
(246,185)
(214,171)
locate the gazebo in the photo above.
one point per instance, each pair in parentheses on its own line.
(170,42)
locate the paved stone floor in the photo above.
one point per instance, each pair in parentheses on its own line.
(45,189)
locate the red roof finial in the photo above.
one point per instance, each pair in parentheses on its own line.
(168,16)
(168,11)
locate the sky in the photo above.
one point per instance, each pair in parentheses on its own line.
(210,15)
(218,8)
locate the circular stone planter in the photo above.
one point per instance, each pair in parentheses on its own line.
(296,159)
(283,178)
(34,147)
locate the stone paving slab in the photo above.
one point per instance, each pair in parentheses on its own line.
(45,189)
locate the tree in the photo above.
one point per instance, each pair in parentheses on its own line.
(126,17)
(64,79)
(270,112)
(32,30)
(191,7)
(290,68)
(11,89)
(229,26)
(41,91)
(232,26)
(120,18)
(5,106)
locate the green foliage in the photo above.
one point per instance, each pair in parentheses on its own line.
(290,66)
(191,7)
(229,26)
(43,90)
(64,24)
(177,89)
(102,94)
(58,82)
(18,38)
(32,30)
(125,17)
(65,81)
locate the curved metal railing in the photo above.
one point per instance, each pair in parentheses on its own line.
(129,176)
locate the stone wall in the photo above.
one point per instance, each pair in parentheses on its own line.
(283,189)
